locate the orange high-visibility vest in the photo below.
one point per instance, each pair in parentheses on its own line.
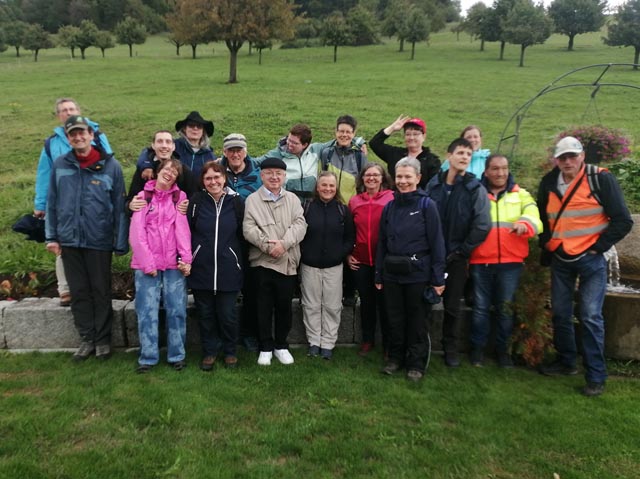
(582,221)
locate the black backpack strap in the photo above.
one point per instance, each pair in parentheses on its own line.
(592,172)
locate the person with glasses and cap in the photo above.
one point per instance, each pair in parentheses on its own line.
(415,134)
(584,214)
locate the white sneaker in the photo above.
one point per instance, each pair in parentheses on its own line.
(265,358)
(283,355)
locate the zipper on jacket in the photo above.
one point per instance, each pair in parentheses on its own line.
(193,256)
(236,257)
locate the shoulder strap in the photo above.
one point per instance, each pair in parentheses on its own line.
(237,206)
(592,172)
(175,196)
(47,146)
(327,153)
(305,206)
(567,198)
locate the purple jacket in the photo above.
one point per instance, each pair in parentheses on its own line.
(158,233)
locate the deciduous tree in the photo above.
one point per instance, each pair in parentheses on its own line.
(336,32)
(364,26)
(417,28)
(526,25)
(131,32)
(474,23)
(190,24)
(104,40)
(573,17)
(238,21)
(624,30)
(496,19)
(14,34)
(68,37)
(395,20)
(36,38)
(87,36)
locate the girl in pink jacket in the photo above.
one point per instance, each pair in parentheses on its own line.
(161,244)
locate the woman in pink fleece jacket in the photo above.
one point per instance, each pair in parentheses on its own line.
(161,244)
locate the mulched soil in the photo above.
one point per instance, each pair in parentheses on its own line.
(43,285)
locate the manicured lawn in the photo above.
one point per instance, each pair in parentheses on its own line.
(315,418)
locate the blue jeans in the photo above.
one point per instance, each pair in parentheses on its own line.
(493,285)
(174,299)
(218,321)
(591,269)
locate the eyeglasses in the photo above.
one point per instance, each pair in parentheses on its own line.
(372,175)
(293,142)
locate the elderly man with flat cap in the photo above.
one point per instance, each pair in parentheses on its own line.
(584,214)
(86,222)
(274,225)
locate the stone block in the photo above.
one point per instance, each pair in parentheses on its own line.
(118,336)
(39,323)
(622,326)
(628,249)
(3,338)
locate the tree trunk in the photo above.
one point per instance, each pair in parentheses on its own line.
(17,50)
(570,47)
(250,48)
(259,56)
(635,58)
(178,50)
(130,50)
(233,46)
(82,52)
(73,52)
(35,55)
(193,50)
(413,50)
(482,44)
(522,48)
(335,53)
(401,45)
(502,50)
(102,50)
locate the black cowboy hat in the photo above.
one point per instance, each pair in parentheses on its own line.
(194,117)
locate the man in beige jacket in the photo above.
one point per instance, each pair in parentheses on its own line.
(274,226)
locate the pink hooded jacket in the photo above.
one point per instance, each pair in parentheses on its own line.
(159,233)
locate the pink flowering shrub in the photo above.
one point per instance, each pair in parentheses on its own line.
(600,143)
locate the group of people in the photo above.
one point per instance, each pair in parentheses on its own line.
(405,236)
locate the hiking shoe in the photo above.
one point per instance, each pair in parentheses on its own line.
(314,351)
(476,357)
(414,375)
(593,389)
(365,348)
(143,368)
(179,365)
(326,353)
(103,352)
(390,368)
(451,359)
(207,363)
(65,300)
(230,362)
(505,361)
(85,350)
(265,358)
(558,368)
(283,355)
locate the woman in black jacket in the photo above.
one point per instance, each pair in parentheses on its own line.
(410,264)
(215,218)
(328,241)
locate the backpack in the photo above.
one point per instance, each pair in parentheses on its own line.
(175,196)
(591,172)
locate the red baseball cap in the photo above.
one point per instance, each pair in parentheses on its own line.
(416,122)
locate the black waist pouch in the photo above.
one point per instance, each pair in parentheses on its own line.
(397,264)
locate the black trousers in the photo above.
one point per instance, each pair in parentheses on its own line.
(274,295)
(371,305)
(409,317)
(248,319)
(89,275)
(457,271)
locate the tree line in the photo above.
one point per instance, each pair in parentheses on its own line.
(351,22)
(524,23)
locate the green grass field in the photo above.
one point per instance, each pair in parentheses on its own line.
(314,419)
(450,84)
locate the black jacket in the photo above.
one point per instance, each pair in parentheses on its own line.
(330,234)
(429,163)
